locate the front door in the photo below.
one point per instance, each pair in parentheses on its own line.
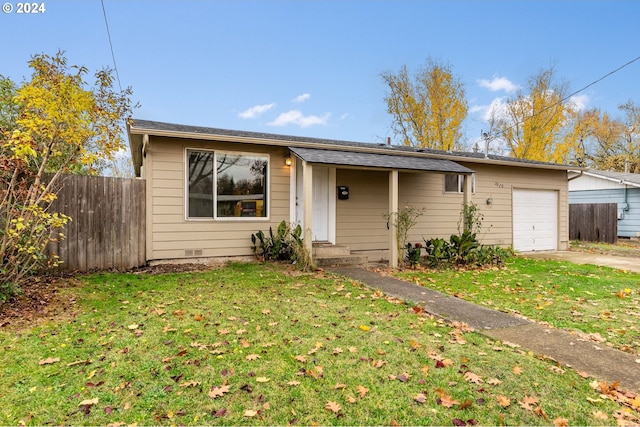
(320,226)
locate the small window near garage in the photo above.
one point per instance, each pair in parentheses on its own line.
(455,183)
(227,185)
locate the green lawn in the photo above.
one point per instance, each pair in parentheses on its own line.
(255,344)
(601,302)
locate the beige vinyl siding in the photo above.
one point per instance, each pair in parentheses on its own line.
(360,222)
(426,191)
(442,210)
(172,233)
(498,184)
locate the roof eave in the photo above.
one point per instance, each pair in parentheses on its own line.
(135,130)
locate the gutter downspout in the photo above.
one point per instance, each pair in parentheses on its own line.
(577,176)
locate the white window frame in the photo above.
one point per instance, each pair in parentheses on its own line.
(461,179)
(215,179)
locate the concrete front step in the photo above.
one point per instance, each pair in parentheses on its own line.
(327,250)
(342,261)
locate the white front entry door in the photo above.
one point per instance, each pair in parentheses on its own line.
(320,226)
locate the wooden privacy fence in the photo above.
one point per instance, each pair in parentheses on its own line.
(594,222)
(107,227)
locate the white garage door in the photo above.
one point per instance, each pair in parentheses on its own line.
(535,220)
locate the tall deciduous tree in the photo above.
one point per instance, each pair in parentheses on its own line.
(428,109)
(532,125)
(53,123)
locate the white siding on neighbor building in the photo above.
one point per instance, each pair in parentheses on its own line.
(586,182)
(172,235)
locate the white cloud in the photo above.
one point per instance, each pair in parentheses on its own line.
(295,117)
(497,108)
(497,84)
(301,98)
(255,111)
(579,102)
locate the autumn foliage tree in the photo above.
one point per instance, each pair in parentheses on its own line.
(427,109)
(608,143)
(532,125)
(54,123)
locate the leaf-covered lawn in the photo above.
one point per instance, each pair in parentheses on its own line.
(258,345)
(601,302)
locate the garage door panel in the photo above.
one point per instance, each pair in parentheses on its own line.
(535,220)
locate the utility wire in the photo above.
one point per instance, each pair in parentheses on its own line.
(492,136)
(113,56)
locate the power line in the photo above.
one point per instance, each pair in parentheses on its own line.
(113,56)
(566,98)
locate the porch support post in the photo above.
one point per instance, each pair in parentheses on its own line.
(307,206)
(393,211)
(466,194)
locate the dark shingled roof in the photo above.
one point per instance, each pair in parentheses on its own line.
(138,127)
(354,158)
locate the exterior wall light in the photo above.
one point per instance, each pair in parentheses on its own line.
(288,161)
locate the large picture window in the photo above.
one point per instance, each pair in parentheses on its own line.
(227,185)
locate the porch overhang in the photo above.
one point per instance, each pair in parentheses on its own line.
(378,161)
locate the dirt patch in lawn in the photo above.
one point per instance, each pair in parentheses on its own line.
(47,298)
(39,301)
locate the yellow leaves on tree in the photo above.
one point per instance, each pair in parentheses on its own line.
(53,123)
(529,124)
(427,111)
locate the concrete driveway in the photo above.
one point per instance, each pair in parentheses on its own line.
(619,262)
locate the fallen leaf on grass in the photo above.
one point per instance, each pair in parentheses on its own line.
(504,401)
(263,379)
(190,384)
(527,402)
(420,398)
(89,402)
(445,400)
(250,413)
(362,391)
(293,383)
(218,391)
(333,406)
(472,378)
(517,370)
(253,357)
(49,361)
(339,386)
(561,422)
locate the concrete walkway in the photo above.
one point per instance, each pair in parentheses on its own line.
(577,257)
(596,359)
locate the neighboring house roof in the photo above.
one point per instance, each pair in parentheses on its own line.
(387,161)
(622,178)
(138,129)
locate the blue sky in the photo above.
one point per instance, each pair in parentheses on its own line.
(312,68)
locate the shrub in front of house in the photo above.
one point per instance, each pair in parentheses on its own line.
(284,245)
